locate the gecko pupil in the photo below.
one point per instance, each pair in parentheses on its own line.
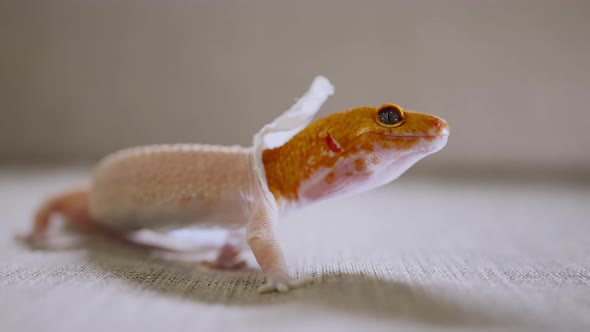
(389,116)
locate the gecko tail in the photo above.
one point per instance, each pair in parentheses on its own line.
(72,205)
(74,208)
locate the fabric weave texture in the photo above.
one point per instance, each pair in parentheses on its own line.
(419,255)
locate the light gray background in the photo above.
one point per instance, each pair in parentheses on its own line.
(82,78)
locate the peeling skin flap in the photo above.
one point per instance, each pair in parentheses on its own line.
(296,118)
(283,128)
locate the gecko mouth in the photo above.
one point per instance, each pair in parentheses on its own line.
(424,136)
(441,132)
(414,136)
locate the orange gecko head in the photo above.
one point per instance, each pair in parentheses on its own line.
(352,151)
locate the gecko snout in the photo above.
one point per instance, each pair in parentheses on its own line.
(440,127)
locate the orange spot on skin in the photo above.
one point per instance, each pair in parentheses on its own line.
(330,178)
(375,160)
(360,165)
(367,146)
(348,173)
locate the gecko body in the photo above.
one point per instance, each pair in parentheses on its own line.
(293,162)
(165,186)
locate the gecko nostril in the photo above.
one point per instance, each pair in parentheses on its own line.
(436,123)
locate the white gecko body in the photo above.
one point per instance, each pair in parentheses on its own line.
(170,186)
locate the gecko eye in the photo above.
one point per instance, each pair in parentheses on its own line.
(390,115)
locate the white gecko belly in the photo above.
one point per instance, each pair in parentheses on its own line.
(173,185)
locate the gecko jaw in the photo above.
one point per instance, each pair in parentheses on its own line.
(443,132)
(414,136)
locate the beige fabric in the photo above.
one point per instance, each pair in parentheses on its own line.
(421,255)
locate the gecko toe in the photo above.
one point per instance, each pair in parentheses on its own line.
(266,288)
(284,285)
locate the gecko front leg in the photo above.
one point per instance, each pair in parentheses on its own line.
(269,255)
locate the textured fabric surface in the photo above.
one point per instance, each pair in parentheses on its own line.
(421,255)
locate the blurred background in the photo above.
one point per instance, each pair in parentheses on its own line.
(491,232)
(83,78)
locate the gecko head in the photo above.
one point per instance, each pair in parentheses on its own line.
(371,146)
(387,130)
(352,151)
(399,131)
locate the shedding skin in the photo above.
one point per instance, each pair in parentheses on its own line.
(150,189)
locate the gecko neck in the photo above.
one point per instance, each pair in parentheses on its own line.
(284,173)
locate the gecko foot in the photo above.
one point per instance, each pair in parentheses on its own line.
(227,259)
(284,284)
(233,265)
